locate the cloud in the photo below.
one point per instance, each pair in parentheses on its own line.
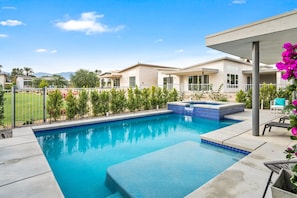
(53,51)
(42,50)
(88,23)
(179,51)
(3,35)
(158,41)
(238,1)
(8,8)
(10,22)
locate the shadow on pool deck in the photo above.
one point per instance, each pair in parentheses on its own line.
(25,172)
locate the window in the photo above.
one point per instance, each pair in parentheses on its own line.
(168,82)
(116,82)
(132,81)
(232,80)
(27,83)
(198,83)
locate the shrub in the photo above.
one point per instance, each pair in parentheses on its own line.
(71,108)
(241,96)
(82,106)
(95,102)
(146,102)
(104,102)
(54,104)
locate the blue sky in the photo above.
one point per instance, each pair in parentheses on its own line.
(67,35)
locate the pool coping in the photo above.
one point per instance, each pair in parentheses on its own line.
(38,172)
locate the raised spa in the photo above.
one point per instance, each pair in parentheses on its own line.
(206,109)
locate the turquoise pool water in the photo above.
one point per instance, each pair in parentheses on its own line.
(79,156)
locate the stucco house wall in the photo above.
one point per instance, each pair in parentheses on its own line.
(2,80)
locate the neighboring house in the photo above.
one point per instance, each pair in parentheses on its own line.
(23,82)
(232,74)
(141,75)
(3,79)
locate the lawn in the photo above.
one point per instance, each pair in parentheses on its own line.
(28,107)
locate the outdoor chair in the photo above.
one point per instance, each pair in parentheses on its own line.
(276,167)
(278,105)
(275,124)
(283,119)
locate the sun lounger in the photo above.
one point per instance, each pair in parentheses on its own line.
(284,118)
(275,167)
(275,124)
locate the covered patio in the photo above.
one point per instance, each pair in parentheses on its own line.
(261,42)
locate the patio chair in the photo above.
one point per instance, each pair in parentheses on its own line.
(283,119)
(275,124)
(278,104)
(276,167)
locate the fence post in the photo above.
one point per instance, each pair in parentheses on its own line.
(13,106)
(43,104)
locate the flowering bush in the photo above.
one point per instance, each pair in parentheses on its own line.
(289,65)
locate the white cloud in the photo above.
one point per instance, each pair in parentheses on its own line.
(238,1)
(179,51)
(10,22)
(53,51)
(88,23)
(158,41)
(3,35)
(41,50)
(8,8)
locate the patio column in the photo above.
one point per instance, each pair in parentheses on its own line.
(255,93)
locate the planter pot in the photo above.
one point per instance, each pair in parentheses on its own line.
(282,188)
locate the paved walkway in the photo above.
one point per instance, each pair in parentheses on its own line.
(25,172)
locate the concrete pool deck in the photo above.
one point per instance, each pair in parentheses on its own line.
(25,172)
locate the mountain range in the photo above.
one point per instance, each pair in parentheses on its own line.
(66,75)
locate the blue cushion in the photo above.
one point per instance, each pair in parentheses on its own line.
(280,101)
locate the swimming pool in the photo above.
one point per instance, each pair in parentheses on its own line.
(80,156)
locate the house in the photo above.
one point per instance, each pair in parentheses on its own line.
(230,73)
(2,79)
(141,75)
(23,82)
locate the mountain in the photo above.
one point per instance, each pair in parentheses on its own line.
(66,75)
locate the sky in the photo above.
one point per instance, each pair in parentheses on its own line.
(67,35)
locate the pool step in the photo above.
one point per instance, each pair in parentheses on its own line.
(174,171)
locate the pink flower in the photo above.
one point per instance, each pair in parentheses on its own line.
(294,102)
(294,131)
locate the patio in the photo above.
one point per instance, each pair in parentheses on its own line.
(24,167)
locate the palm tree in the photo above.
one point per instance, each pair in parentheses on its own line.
(28,71)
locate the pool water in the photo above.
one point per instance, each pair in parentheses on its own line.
(79,156)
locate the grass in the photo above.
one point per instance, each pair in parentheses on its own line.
(28,107)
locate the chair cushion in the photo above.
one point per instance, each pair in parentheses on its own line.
(280,101)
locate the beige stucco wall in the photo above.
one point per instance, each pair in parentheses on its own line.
(2,80)
(124,80)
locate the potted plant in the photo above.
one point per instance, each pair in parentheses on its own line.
(286,184)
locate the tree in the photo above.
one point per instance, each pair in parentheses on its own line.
(71,108)
(16,72)
(59,81)
(54,104)
(28,71)
(146,98)
(104,102)
(43,84)
(82,106)
(95,102)
(84,78)
(131,101)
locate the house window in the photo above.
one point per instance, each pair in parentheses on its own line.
(198,83)
(132,81)
(232,81)
(116,82)
(168,82)
(27,83)
(193,83)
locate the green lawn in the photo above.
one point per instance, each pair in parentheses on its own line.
(28,107)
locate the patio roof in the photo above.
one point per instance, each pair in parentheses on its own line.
(271,33)
(260,42)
